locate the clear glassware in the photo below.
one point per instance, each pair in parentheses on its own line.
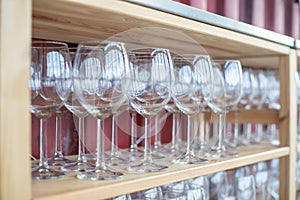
(260,172)
(198,188)
(116,157)
(74,106)
(98,71)
(246,188)
(191,91)
(168,193)
(148,89)
(173,147)
(274,182)
(50,85)
(245,103)
(257,98)
(58,158)
(273,96)
(217,185)
(227,93)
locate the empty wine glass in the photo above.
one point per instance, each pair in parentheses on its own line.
(245,103)
(258,97)
(115,155)
(98,70)
(148,90)
(74,106)
(191,91)
(261,175)
(246,188)
(227,92)
(50,84)
(273,96)
(58,158)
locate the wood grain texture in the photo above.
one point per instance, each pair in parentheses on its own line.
(15,178)
(71,188)
(77,20)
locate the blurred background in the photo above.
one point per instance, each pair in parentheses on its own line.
(281,16)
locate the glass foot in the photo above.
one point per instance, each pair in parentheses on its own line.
(146,167)
(117,161)
(216,153)
(46,173)
(99,174)
(61,161)
(79,167)
(188,159)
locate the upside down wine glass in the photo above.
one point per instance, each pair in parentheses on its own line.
(98,70)
(50,83)
(226,93)
(148,89)
(191,91)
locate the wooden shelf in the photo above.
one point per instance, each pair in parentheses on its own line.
(71,188)
(77,20)
(256,116)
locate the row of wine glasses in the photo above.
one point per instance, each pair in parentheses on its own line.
(105,79)
(259,181)
(191,189)
(261,90)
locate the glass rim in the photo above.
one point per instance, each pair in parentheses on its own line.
(95,43)
(54,44)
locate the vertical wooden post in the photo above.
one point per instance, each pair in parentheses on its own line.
(287,124)
(15,41)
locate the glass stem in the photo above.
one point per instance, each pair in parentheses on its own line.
(81,140)
(221,132)
(43,144)
(190,128)
(147,149)
(157,142)
(236,127)
(202,130)
(58,137)
(174,129)
(133,133)
(114,132)
(100,161)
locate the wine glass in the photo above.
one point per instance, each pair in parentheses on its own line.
(148,89)
(98,70)
(227,93)
(245,103)
(191,91)
(73,105)
(50,83)
(115,155)
(273,96)
(258,98)
(58,158)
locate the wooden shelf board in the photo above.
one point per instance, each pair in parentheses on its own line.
(253,116)
(71,188)
(77,20)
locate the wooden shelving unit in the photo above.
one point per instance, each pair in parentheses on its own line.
(76,20)
(71,188)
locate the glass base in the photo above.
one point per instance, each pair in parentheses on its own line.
(79,166)
(188,159)
(99,174)
(217,153)
(146,167)
(117,161)
(43,172)
(61,161)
